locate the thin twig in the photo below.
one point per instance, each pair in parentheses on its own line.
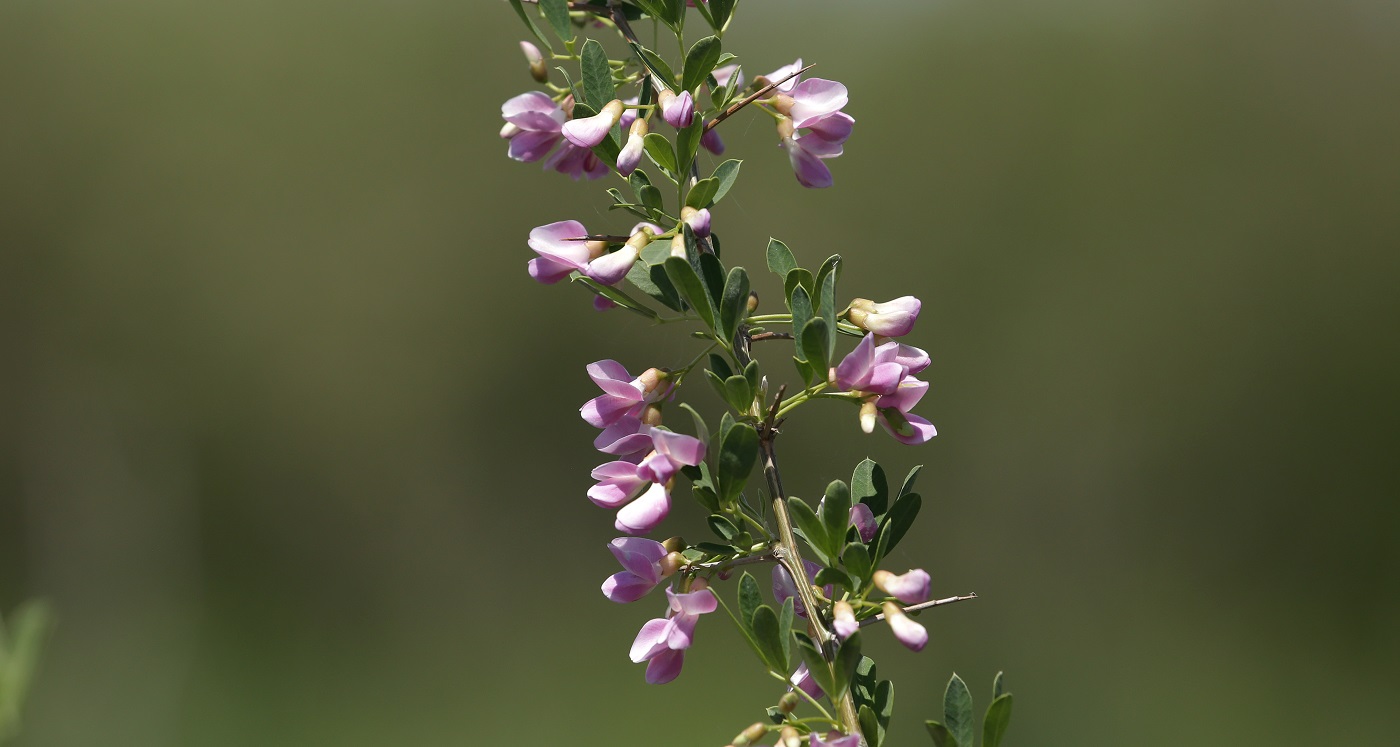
(600,237)
(917,607)
(761,336)
(734,108)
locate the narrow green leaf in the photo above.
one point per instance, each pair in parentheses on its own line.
(901,517)
(869,726)
(836,515)
(769,636)
(844,668)
(652,281)
(957,711)
(683,276)
(941,736)
(806,520)
(998,686)
(659,150)
(795,277)
(712,273)
(721,11)
(997,720)
(706,497)
(658,66)
(832,266)
(738,454)
(749,598)
(733,305)
(699,62)
(811,656)
(868,486)
(834,577)
(913,475)
(720,366)
(725,176)
(616,296)
(557,13)
(801,307)
(723,527)
(884,703)
(529,23)
(785,625)
(754,375)
(702,431)
(816,344)
(597,76)
(828,309)
(780,259)
(702,194)
(687,143)
(720,387)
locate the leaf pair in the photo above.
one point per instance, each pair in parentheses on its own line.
(958,726)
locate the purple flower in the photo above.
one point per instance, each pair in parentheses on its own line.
(637,485)
(646,512)
(678,111)
(864,521)
(533,122)
(889,319)
(813,105)
(623,394)
(911,634)
(884,376)
(910,588)
(673,451)
(783,588)
(811,101)
(894,414)
(631,154)
(802,680)
(626,438)
(835,739)
(662,642)
(575,162)
(698,220)
(619,483)
(538,71)
(641,561)
(711,141)
(784,72)
(561,253)
(870,369)
(588,132)
(724,73)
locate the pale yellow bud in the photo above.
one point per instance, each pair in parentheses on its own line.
(868,413)
(674,544)
(753,301)
(671,563)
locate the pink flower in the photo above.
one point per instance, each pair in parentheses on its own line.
(641,561)
(906,631)
(631,154)
(802,680)
(883,376)
(534,125)
(588,132)
(864,521)
(910,588)
(646,512)
(784,72)
(723,73)
(844,620)
(678,111)
(813,105)
(889,319)
(623,394)
(711,141)
(561,253)
(783,588)
(662,642)
(698,220)
(636,484)
(870,369)
(811,101)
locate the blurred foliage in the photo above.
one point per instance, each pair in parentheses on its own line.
(288,439)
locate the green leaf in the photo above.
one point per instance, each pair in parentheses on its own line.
(998,686)
(785,625)
(699,62)
(844,668)
(712,273)
(827,284)
(702,194)
(683,276)
(652,281)
(616,296)
(659,150)
(941,736)
(995,723)
(832,266)
(806,520)
(957,711)
(557,13)
(801,307)
(738,393)
(734,303)
(702,431)
(868,486)
(856,558)
(780,259)
(769,636)
(723,527)
(706,498)
(797,276)
(836,515)
(884,704)
(724,176)
(749,599)
(658,66)
(864,683)
(720,366)
(811,656)
(901,518)
(737,456)
(869,726)
(909,479)
(721,11)
(534,30)
(834,577)
(597,76)
(816,344)
(687,142)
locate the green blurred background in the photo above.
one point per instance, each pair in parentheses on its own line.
(289,439)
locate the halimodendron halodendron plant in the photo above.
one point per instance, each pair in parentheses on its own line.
(599,116)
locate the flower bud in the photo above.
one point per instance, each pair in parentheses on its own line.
(868,414)
(753,301)
(678,111)
(908,632)
(698,220)
(532,55)
(678,246)
(651,415)
(509,131)
(785,128)
(699,584)
(890,319)
(651,379)
(863,519)
(671,563)
(782,103)
(596,249)
(789,737)
(751,734)
(789,702)
(911,588)
(588,132)
(711,141)
(631,154)
(674,544)
(845,620)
